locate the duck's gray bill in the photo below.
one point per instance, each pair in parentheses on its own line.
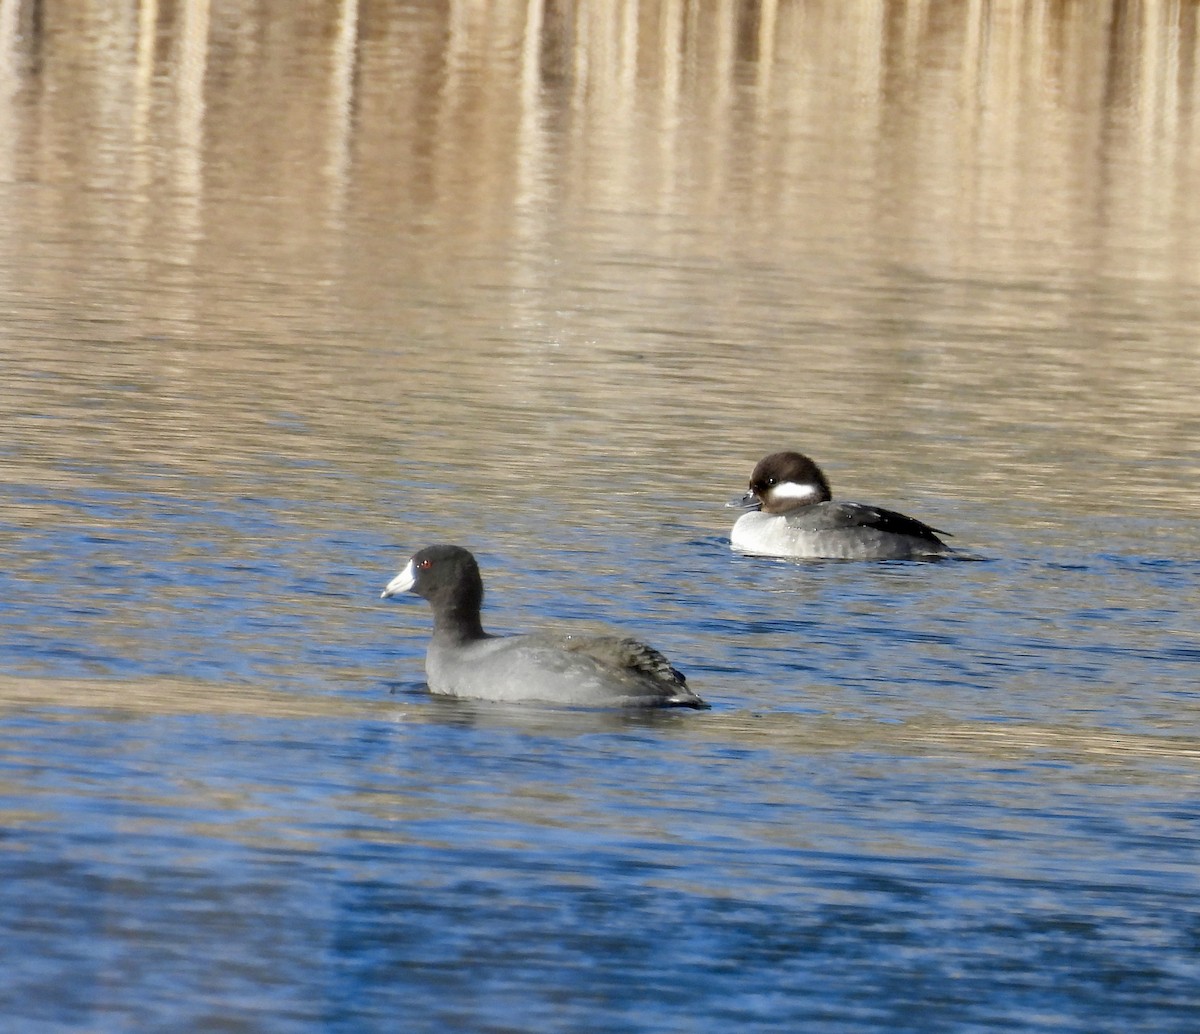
(746,501)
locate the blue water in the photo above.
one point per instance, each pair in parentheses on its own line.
(948,796)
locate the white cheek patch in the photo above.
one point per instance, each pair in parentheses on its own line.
(404,581)
(794,492)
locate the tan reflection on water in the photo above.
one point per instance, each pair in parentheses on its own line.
(132,700)
(787,735)
(1041,122)
(972,218)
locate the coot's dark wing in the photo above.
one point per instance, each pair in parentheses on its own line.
(627,653)
(644,668)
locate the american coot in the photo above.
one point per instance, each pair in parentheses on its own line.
(794,515)
(581,670)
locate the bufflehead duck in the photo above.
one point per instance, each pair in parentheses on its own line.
(794,515)
(582,670)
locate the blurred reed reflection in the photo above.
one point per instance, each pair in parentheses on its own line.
(582,220)
(505,119)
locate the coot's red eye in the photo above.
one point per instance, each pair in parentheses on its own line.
(425,565)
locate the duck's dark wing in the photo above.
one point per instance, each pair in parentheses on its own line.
(887,521)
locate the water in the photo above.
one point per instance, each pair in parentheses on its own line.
(291,290)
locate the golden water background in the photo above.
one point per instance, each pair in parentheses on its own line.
(925,241)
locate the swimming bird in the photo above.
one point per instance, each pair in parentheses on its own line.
(793,514)
(581,670)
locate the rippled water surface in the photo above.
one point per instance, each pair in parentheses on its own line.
(289,290)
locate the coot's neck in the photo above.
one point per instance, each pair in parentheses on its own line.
(456,614)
